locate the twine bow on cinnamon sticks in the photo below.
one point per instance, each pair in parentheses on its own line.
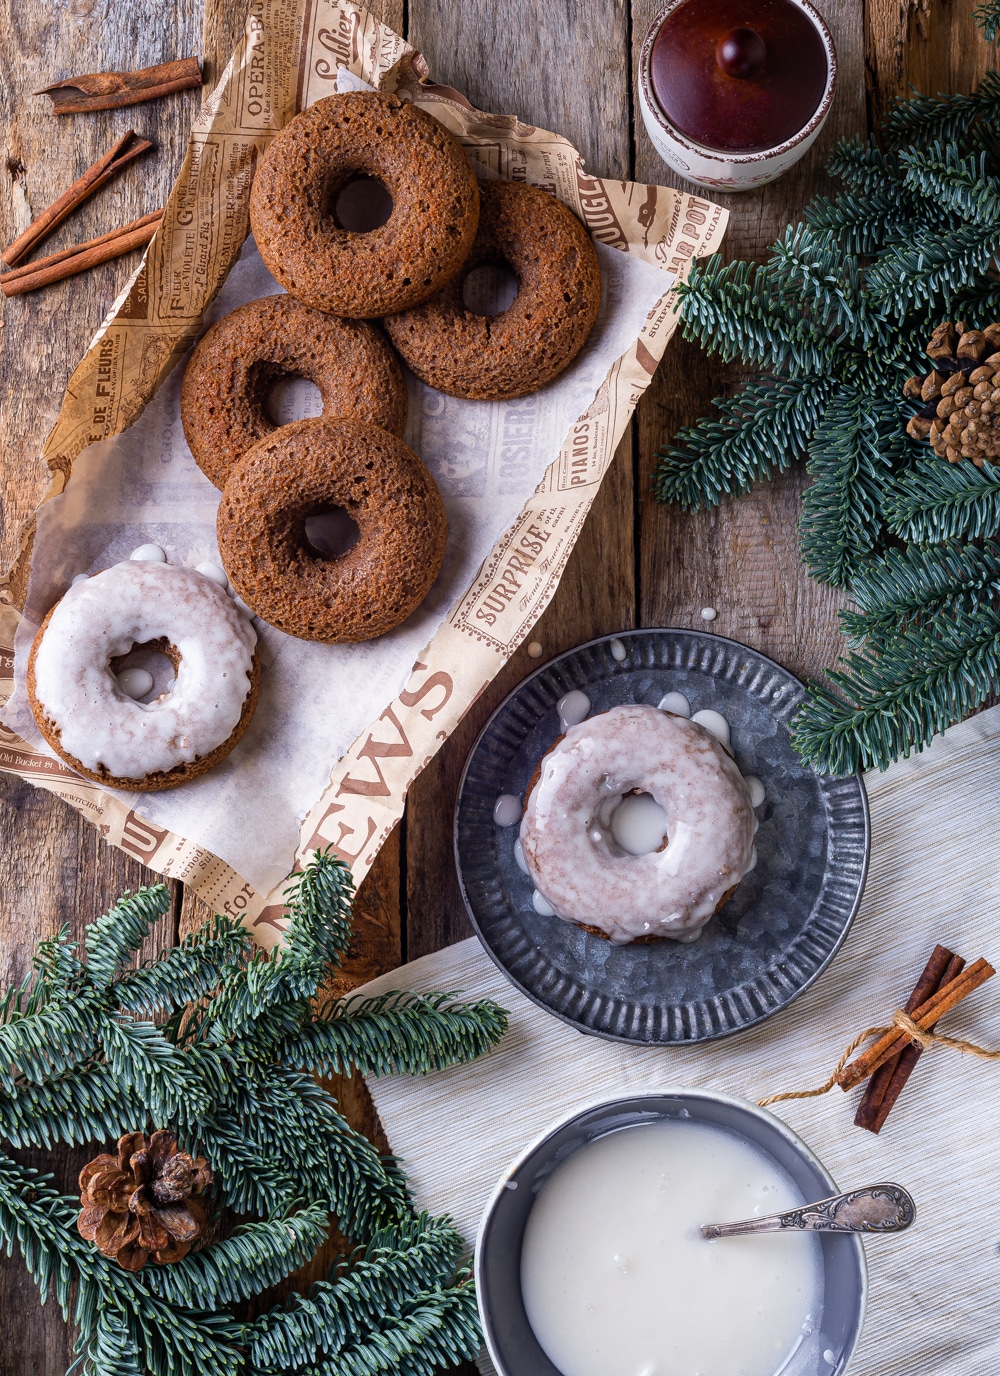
(889,1061)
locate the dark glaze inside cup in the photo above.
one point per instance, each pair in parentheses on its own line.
(714,83)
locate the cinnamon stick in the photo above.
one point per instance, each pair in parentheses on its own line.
(908,1059)
(925,1017)
(106,167)
(114,90)
(80,257)
(892,1075)
(26,269)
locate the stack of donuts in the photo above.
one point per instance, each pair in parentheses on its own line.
(110,720)
(408,274)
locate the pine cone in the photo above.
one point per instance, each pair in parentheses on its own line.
(960,414)
(143,1202)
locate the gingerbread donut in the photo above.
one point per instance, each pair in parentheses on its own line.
(227,379)
(308,468)
(497,357)
(105,734)
(579,849)
(435,205)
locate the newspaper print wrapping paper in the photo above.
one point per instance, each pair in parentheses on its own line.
(935,876)
(292,54)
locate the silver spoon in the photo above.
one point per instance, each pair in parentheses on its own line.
(884,1208)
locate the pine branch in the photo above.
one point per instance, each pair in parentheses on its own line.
(36,1220)
(758,432)
(113,939)
(49,1042)
(57,968)
(925,271)
(908,587)
(922,120)
(374,1285)
(87,1105)
(863,166)
(732,310)
(253,1257)
(862,223)
(76,1063)
(141,1058)
(319,928)
(850,460)
(987,16)
(112,1350)
(937,500)
(811,273)
(953,180)
(438,1330)
(894,701)
(396,1034)
(186,972)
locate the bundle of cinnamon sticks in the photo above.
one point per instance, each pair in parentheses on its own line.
(944,982)
(79,257)
(94,91)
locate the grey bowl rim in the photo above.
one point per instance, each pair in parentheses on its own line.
(717,1096)
(564,1017)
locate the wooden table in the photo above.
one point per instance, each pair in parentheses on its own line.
(567,67)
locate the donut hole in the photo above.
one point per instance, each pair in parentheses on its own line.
(287,397)
(638,824)
(158,660)
(331,532)
(490,289)
(361,204)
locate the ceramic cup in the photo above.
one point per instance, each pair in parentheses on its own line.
(728,171)
(512,1344)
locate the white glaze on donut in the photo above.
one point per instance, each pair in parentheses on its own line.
(130,604)
(586,876)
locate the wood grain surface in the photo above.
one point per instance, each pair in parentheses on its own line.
(567,67)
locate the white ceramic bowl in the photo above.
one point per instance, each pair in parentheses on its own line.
(728,171)
(512,1345)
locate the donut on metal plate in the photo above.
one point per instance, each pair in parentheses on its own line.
(435,205)
(108,736)
(226,382)
(577,853)
(497,357)
(320,466)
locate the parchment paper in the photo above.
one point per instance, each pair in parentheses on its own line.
(322,763)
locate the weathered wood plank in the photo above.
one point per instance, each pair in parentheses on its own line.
(929,47)
(527,68)
(742,559)
(54,867)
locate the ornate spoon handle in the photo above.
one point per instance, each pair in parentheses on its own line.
(883,1208)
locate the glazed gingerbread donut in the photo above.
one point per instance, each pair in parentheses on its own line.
(310,467)
(227,379)
(108,736)
(576,853)
(435,205)
(495,358)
